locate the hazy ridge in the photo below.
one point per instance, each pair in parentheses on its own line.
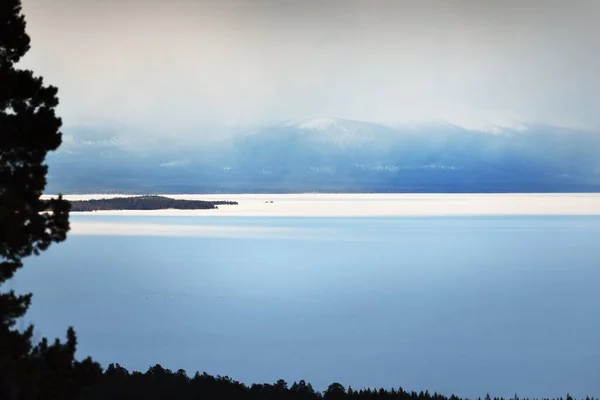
(333,155)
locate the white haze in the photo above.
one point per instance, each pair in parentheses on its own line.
(185,68)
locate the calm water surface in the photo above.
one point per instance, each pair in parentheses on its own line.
(463,305)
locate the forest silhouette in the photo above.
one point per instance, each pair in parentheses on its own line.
(160,383)
(145,203)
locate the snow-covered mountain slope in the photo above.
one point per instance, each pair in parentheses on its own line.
(332,133)
(341,155)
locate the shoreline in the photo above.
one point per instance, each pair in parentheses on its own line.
(372,205)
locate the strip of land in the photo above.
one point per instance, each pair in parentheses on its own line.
(144,203)
(375,205)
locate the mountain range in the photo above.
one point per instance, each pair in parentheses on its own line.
(331,155)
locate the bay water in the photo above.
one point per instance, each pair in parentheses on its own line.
(463,305)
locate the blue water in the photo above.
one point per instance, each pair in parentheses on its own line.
(464,305)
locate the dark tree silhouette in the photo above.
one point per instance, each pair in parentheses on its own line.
(158,383)
(145,203)
(335,391)
(29,129)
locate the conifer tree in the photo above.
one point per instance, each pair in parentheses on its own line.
(29,129)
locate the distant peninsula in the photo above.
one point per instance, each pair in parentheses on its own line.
(145,203)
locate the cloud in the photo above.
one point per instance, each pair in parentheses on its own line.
(175,67)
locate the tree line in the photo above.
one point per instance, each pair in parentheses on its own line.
(145,203)
(158,383)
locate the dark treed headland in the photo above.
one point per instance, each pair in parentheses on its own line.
(145,203)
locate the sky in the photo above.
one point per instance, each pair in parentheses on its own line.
(176,66)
